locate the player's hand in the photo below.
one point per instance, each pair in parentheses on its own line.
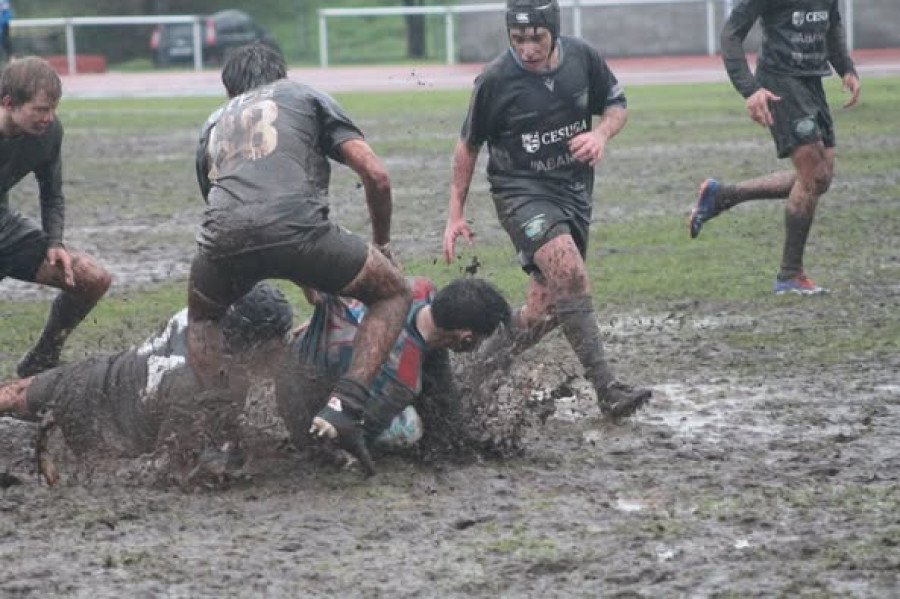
(58,257)
(588,147)
(851,84)
(758,106)
(455,228)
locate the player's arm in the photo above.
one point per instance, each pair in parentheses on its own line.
(839,57)
(589,147)
(731,40)
(465,157)
(53,214)
(357,154)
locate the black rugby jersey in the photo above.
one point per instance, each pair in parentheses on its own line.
(41,155)
(800,38)
(262,165)
(528,118)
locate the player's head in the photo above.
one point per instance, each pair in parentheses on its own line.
(251,66)
(29,92)
(533,14)
(262,315)
(472,308)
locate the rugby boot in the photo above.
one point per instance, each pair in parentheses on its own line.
(800,285)
(341,420)
(705,208)
(619,400)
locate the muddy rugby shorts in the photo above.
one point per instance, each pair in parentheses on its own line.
(532,224)
(328,262)
(23,247)
(801,116)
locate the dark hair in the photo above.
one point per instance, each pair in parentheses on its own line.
(23,78)
(470,304)
(263,314)
(533,13)
(251,66)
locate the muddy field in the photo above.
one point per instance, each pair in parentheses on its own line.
(758,469)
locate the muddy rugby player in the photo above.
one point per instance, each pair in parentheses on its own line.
(800,40)
(263,168)
(533,106)
(141,401)
(31,142)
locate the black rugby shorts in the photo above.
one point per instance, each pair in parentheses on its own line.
(801,116)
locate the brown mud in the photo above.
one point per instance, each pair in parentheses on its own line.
(752,472)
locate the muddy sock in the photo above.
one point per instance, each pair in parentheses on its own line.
(66,312)
(579,324)
(796,230)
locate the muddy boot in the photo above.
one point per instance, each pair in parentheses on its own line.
(66,312)
(342,420)
(579,324)
(618,400)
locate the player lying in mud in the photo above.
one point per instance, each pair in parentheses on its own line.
(145,400)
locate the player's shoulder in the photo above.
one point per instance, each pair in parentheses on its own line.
(579,47)
(501,67)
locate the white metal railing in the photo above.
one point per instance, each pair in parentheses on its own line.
(69,23)
(449,12)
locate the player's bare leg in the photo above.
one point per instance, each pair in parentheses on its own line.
(566,278)
(76,299)
(814,166)
(380,286)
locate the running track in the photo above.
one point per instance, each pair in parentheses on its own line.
(630,71)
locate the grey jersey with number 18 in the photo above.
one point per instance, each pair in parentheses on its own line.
(263,168)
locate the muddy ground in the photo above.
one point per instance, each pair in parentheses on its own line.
(755,471)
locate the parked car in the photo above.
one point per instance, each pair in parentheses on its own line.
(220,32)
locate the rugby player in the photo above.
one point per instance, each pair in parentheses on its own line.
(802,40)
(31,142)
(264,171)
(534,107)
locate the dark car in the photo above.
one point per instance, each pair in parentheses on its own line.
(220,33)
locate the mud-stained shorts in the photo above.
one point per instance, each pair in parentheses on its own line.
(328,263)
(22,258)
(534,223)
(801,116)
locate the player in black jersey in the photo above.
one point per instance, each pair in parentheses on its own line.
(31,142)
(534,107)
(263,168)
(801,38)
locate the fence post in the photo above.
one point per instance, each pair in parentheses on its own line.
(710,28)
(198,45)
(323,41)
(848,23)
(576,18)
(449,36)
(70,47)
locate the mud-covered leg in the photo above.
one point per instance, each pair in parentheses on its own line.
(69,308)
(566,277)
(386,294)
